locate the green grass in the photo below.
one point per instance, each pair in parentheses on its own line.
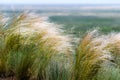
(89,57)
(26,55)
(78,25)
(108,73)
(34,49)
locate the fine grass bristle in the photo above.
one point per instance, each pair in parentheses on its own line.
(27,45)
(31,48)
(114,47)
(108,72)
(89,56)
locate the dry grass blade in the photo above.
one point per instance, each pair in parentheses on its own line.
(89,56)
(27,44)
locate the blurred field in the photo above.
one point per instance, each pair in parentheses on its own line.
(78,25)
(75,19)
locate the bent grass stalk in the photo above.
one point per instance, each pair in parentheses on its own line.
(28,46)
(89,57)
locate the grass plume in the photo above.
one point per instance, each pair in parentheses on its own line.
(90,55)
(27,45)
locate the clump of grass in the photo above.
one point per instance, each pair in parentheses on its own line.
(33,49)
(108,72)
(60,68)
(3,52)
(27,45)
(109,69)
(114,47)
(58,71)
(90,55)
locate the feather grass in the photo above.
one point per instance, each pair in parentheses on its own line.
(89,56)
(27,45)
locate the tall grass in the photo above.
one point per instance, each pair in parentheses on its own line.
(108,72)
(27,45)
(114,47)
(111,69)
(89,56)
(31,48)
(58,71)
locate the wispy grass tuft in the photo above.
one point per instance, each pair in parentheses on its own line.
(114,47)
(108,72)
(90,55)
(27,45)
(32,48)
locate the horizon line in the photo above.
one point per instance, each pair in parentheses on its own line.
(59,4)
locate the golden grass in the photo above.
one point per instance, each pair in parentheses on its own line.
(27,45)
(90,55)
(32,48)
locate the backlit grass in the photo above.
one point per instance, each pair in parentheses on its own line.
(31,48)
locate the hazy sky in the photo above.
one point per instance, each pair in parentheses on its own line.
(60,2)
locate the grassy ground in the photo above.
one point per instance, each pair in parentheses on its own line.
(78,25)
(32,48)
